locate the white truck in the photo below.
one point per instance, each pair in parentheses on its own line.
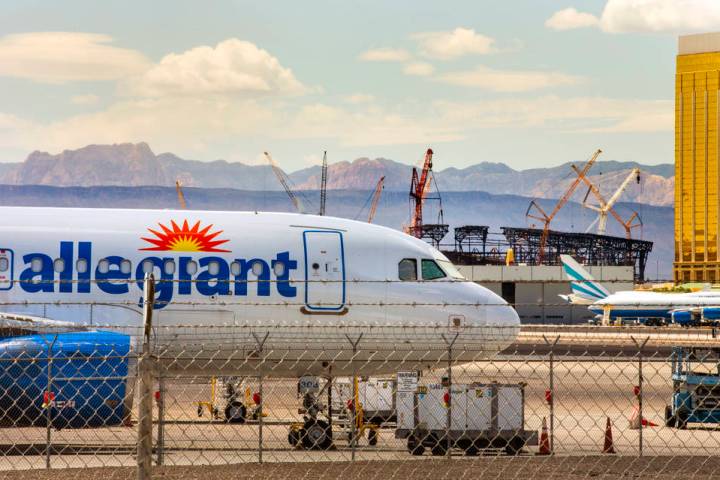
(470,417)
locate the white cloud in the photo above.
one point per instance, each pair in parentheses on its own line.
(357,98)
(421,69)
(575,114)
(660,15)
(453,44)
(507,80)
(231,67)
(570,18)
(87,99)
(630,16)
(385,55)
(60,57)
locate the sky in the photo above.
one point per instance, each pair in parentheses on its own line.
(525,82)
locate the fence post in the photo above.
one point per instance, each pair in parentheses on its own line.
(551,399)
(353,424)
(144,432)
(260,344)
(161,420)
(448,419)
(640,346)
(48,400)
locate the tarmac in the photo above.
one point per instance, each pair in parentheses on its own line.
(587,391)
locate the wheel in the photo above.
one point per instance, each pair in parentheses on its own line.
(681,419)
(294,437)
(472,450)
(372,437)
(235,412)
(415,447)
(317,435)
(514,446)
(440,447)
(670,420)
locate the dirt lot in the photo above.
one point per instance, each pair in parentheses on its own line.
(557,468)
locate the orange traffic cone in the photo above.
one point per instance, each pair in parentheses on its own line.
(635,420)
(608,446)
(544,440)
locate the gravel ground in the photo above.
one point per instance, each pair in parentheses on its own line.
(556,468)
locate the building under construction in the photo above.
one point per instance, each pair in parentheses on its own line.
(474,247)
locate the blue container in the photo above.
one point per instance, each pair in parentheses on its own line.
(88,374)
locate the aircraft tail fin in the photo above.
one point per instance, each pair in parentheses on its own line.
(583,284)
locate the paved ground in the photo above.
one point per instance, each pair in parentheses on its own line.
(540,468)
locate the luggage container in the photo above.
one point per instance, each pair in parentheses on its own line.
(470,417)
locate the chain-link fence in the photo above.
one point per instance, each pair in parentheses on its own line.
(156,393)
(223,395)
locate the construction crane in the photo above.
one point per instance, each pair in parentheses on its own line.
(419,186)
(604,207)
(539,213)
(376,198)
(323,184)
(180,195)
(284,181)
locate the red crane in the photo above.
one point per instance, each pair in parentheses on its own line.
(418,188)
(376,198)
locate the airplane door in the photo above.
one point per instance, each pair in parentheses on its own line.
(324,270)
(6,269)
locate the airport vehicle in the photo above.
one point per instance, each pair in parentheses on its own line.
(470,417)
(696,387)
(376,395)
(648,308)
(72,280)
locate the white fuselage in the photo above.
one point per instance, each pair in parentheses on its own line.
(653,304)
(308,286)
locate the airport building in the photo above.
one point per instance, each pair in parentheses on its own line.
(697,159)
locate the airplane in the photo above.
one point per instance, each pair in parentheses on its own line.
(649,308)
(237,293)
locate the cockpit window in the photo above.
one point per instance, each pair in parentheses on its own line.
(450,269)
(431,270)
(407,269)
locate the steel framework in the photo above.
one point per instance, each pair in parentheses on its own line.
(471,238)
(587,248)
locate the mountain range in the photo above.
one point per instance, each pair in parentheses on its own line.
(136,165)
(460,208)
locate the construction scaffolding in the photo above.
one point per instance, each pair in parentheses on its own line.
(476,245)
(432,232)
(471,238)
(587,248)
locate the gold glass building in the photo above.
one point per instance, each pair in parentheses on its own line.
(697,176)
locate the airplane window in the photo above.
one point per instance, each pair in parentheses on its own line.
(450,269)
(147,266)
(81,265)
(103,266)
(4,264)
(191,267)
(126,266)
(407,269)
(257,268)
(235,268)
(213,268)
(169,267)
(279,269)
(36,265)
(431,270)
(59,265)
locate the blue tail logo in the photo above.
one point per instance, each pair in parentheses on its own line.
(582,283)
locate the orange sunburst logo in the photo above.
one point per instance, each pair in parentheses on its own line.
(185,239)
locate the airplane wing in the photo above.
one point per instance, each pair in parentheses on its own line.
(21,324)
